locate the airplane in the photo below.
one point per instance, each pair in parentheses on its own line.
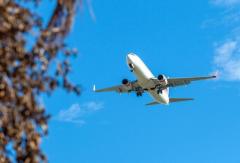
(157,87)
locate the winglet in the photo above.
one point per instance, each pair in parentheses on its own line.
(214,76)
(94,88)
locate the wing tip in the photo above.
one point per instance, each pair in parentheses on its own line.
(214,76)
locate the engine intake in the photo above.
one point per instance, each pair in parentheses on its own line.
(125,81)
(131,65)
(161,77)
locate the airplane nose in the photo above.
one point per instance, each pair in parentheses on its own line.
(130,56)
(130,60)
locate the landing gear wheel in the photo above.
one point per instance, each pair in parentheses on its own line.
(159,91)
(139,94)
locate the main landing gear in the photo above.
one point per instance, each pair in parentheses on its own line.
(139,91)
(139,94)
(159,91)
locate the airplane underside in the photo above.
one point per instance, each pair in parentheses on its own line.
(157,87)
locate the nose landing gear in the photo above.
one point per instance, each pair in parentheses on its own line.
(131,67)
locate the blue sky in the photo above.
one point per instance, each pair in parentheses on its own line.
(175,38)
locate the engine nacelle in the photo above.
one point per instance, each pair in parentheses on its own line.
(162,79)
(127,85)
(125,81)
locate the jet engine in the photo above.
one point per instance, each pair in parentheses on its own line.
(162,79)
(125,81)
(127,84)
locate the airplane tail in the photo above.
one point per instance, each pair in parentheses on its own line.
(171,100)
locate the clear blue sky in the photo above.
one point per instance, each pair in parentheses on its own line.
(176,38)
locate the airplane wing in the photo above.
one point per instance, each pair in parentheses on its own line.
(173,82)
(119,88)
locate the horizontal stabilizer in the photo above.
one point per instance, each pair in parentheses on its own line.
(170,101)
(152,103)
(179,99)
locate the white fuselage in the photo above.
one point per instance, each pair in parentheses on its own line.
(144,76)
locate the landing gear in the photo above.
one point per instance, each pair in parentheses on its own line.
(139,94)
(139,91)
(159,91)
(131,66)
